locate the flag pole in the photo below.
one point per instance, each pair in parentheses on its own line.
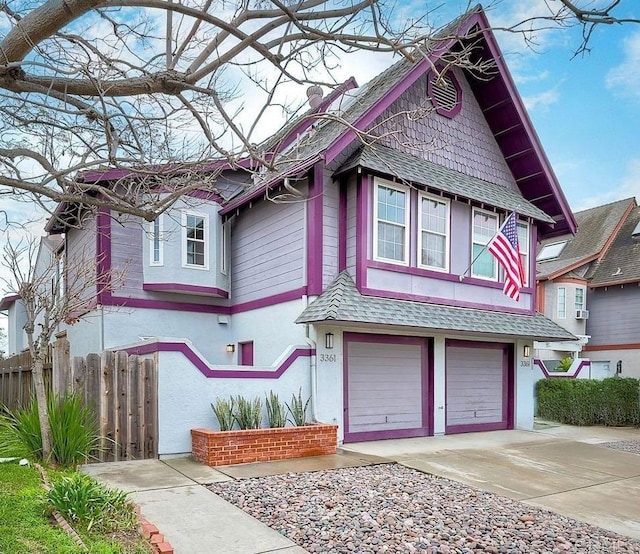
(462,275)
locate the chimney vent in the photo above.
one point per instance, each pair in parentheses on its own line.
(314,94)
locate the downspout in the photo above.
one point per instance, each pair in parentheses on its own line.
(313,368)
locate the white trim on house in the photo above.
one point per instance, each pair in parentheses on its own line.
(156,241)
(447,231)
(561,306)
(406,225)
(204,241)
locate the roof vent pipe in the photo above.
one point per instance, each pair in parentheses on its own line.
(314,94)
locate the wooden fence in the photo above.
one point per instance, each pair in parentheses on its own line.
(120,389)
(16,385)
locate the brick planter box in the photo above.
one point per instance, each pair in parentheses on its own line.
(221,448)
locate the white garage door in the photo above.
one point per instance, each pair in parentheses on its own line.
(384,389)
(476,389)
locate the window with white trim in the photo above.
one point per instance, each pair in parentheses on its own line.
(484,228)
(562,303)
(390,224)
(433,237)
(225,237)
(523,243)
(579,299)
(195,240)
(156,250)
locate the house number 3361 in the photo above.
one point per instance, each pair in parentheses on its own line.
(328,357)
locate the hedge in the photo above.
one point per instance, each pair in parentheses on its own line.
(612,401)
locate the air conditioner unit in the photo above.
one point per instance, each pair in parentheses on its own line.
(582,314)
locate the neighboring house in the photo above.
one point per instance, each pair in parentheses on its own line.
(581,280)
(358,285)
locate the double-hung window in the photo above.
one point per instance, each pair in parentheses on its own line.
(391,223)
(433,238)
(485,226)
(562,303)
(195,240)
(523,243)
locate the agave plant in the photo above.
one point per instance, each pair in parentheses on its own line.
(249,412)
(276,411)
(298,409)
(224,411)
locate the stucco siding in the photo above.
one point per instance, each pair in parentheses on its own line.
(464,143)
(268,250)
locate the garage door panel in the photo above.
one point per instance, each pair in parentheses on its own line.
(475,383)
(384,386)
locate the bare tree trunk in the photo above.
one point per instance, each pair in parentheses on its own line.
(37,373)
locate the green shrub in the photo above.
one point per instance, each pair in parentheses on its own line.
(84,501)
(612,401)
(298,409)
(248,413)
(74,431)
(224,411)
(276,411)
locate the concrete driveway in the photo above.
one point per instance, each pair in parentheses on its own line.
(564,469)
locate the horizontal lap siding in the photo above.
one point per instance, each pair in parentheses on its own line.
(384,387)
(614,315)
(474,389)
(330,198)
(268,251)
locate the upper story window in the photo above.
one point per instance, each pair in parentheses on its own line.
(195,240)
(579,299)
(433,238)
(523,243)
(155,237)
(485,226)
(550,251)
(391,222)
(562,303)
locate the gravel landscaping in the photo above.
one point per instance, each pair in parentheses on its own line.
(390,508)
(627,446)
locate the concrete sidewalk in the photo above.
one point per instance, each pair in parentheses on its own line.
(172,496)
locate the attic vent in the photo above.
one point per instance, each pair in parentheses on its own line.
(445,93)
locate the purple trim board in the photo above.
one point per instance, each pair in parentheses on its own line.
(315,230)
(210,371)
(561,375)
(185,289)
(426,383)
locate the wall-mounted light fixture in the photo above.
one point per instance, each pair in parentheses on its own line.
(328,341)
(231,348)
(526,351)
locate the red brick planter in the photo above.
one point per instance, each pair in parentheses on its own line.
(220,448)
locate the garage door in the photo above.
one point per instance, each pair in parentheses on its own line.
(477,387)
(386,395)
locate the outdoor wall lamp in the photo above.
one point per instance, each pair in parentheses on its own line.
(527,351)
(328,341)
(231,348)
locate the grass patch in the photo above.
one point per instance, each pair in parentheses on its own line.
(26,527)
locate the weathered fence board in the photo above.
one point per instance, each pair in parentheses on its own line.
(119,388)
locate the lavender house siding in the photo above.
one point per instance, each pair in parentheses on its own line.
(351,225)
(80,250)
(330,225)
(268,251)
(464,143)
(614,315)
(126,252)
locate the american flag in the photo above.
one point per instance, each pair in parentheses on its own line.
(504,246)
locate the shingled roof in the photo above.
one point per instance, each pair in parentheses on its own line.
(597,228)
(342,302)
(621,263)
(384,160)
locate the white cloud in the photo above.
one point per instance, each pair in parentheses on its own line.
(624,79)
(542,100)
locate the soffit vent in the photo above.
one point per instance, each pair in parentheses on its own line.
(445,93)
